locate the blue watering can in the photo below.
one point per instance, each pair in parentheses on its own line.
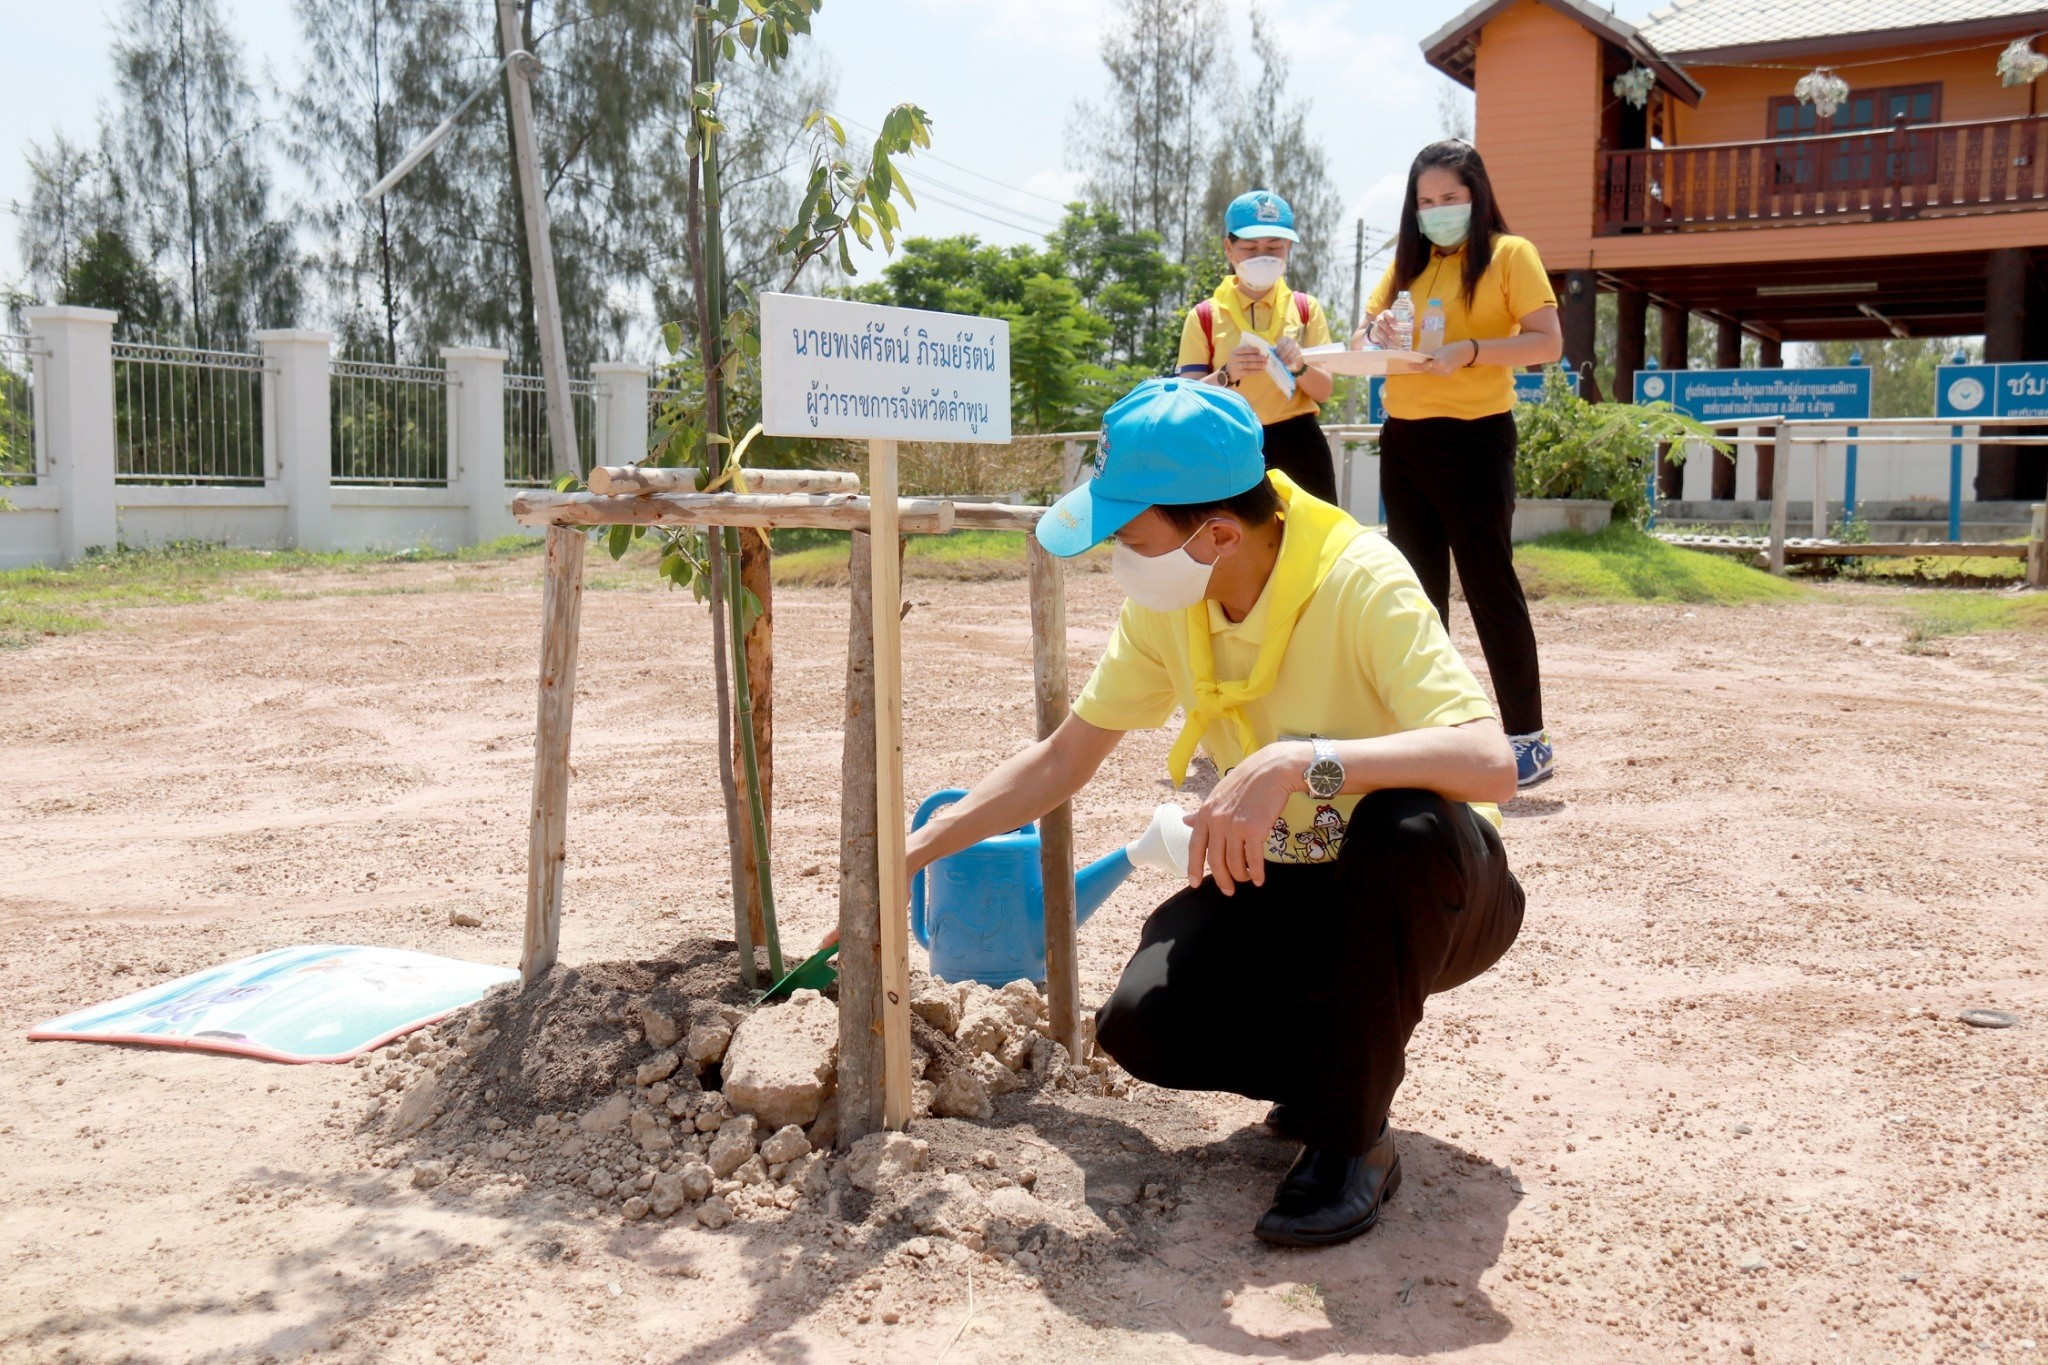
(984,919)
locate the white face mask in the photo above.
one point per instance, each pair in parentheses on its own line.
(1173,581)
(1446,224)
(1260,273)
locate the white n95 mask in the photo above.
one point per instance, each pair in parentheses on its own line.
(1173,581)
(1260,273)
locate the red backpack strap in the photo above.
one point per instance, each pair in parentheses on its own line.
(1205,313)
(1302,303)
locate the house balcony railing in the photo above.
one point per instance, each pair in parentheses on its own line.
(1909,171)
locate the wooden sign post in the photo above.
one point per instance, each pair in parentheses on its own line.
(836,369)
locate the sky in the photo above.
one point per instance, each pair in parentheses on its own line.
(1000,78)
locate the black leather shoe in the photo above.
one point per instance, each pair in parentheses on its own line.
(1329,1197)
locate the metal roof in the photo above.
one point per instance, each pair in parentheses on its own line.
(1689,29)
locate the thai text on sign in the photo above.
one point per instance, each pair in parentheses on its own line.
(867,372)
(1992,390)
(1837,393)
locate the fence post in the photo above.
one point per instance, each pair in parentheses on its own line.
(476,440)
(298,391)
(1781,490)
(74,415)
(621,412)
(2037,547)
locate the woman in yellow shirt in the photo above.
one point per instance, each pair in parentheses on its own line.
(1254,300)
(1447,451)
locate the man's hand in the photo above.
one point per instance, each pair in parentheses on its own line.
(1245,362)
(1231,827)
(1289,351)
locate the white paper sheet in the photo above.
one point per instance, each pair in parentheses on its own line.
(1340,359)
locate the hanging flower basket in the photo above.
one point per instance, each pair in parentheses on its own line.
(1634,85)
(2019,64)
(1822,89)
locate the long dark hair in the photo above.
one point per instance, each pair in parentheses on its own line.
(1411,252)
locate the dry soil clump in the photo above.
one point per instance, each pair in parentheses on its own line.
(654,1090)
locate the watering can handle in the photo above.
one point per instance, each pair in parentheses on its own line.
(930,806)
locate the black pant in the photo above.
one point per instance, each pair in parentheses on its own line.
(1449,486)
(1305,990)
(1298,449)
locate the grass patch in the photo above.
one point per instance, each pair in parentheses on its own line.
(964,556)
(1934,616)
(1949,570)
(1622,564)
(37,603)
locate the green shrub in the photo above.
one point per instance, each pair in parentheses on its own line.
(1570,448)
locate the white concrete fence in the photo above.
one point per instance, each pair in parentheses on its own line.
(254,460)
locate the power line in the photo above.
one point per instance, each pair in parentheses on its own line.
(927,155)
(919,177)
(990,217)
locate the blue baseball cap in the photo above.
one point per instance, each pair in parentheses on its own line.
(1261,213)
(1166,441)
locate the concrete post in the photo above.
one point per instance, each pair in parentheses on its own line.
(621,412)
(298,391)
(476,440)
(75,416)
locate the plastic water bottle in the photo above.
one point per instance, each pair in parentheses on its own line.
(1431,339)
(1404,322)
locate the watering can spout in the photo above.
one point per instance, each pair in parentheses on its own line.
(1163,846)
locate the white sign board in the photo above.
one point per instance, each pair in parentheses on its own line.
(833,368)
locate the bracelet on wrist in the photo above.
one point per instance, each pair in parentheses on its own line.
(1475,354)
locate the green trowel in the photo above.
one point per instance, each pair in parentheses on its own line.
(814,973)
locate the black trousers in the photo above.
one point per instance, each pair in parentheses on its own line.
(1305,990)
(1449,486)
(1298,449)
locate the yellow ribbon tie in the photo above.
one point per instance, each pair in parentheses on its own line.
(1315,535)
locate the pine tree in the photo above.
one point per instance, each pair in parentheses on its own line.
(187,148)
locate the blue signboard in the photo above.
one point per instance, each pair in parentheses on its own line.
(1528,388)
(1840,393)
(1968,391)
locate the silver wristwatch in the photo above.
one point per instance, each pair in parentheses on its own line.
(1325,772)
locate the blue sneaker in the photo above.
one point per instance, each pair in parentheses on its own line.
(1534,760)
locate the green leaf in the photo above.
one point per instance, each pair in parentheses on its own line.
(902,185)
(846,256)
(568,483)
(750,609)
(838,133)
(672,337)
(749,32)
(619,540)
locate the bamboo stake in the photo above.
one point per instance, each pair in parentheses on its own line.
(1056,829)
(561,602)
(757,710)
(861,1067)
(742,930)
(627,480)
(832,512)
(757,887)
(885,570)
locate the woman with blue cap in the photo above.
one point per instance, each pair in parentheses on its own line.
(1254,301)
(1347,864)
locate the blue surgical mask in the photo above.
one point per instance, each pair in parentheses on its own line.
(1447,225)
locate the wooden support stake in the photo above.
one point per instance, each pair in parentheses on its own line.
(2037,548)
(886,573)
(860,949)
(561,604)
(631,480)
(1056,829)
(756,577)
(830,511)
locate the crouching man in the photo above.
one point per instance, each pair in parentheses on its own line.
(1347,865)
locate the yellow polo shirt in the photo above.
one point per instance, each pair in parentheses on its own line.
(1259,390)
(1513,287)
(1368,657)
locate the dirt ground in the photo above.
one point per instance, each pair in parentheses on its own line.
(1714,1104)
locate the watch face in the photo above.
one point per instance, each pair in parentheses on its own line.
(1325,777)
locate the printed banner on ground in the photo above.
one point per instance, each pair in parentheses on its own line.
(833,368)
(323,1003)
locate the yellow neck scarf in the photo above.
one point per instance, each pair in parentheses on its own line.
(1316,534)
(1231,304)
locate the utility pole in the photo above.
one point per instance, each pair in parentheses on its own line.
(547,304)
(1358,278)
